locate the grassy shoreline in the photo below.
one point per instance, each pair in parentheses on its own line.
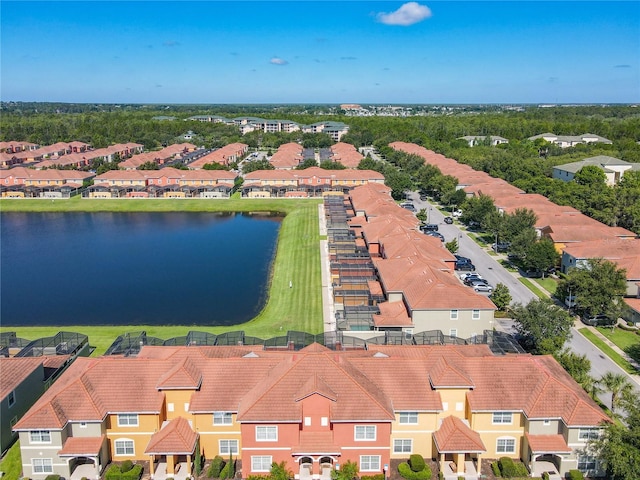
(297,261)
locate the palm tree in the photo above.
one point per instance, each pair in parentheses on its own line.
(618,385)
(590,385)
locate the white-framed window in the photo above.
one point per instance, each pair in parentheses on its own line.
(40,436)
(453,332)
(369,463)
(228,446)
(222,418)
(42,465)
(11,398)
(546,422)
(459,406)
(475,314)
(261,463)
(127,419)
(324,421)
(586,434)
(13,421)
(504,418)
(408,418)
(307,421)
(506,445)
(267,433)
(170,407)
(83,424)
(402,445)
(365,432)
(124,446)
(587,463)
(186,407)
(453,315)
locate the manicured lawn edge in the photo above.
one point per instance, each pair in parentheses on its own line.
(297,260)
(11,463)
(531,286)
(607,350)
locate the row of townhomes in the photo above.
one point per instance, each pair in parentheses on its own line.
(314,408)
(576,236)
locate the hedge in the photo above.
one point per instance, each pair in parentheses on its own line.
(509,468)
(115,473)
(496,469)
(575,475)
(217,464)
(417,463)
(379,476)
(405,472)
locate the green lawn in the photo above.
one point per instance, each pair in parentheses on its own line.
(532,286)
(549,284)
(622,338)
(11,463)
(297,260)
(607,350)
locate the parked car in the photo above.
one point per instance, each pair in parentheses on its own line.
(475,281)
(409,206)
(429,227)
(456,213)
(501,246)
(470,276)
(467,266)
(483,287)
(597,320)
(435,234)
(448,220)
(461,258)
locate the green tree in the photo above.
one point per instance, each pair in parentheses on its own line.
(541,255)
(422,215)
(214,166)
(452,246)
(307,163)
(399,182)
(618,448)
(598,287)
(263,164)
(520,220)
(348,471)
(501,296)
(543,328)
(279,471)
(618,385)
(368,163)
(476,208)
(149,166)
(331,165)
(591,176)
(521,242)
(494,223)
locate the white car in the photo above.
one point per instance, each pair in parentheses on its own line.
(457,213)
(480,287)
(464,276)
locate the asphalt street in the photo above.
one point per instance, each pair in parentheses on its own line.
(488,266)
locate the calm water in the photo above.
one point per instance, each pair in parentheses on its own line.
(134,268)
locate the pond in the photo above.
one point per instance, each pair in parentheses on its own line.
(134,268)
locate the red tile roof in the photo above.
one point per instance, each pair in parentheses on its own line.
(15,370)
(175,438)
(455,436)
(82,446)
(541,444)
(312,443)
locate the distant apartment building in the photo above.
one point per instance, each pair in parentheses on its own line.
(565,141)
(613,168)
(474,140)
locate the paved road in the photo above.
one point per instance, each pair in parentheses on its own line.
(495,273)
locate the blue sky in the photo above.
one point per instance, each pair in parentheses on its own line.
(320,52)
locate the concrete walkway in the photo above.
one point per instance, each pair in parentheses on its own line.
(328,311)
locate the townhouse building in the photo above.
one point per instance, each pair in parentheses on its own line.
(314,408)
(230,153)
(20,182)
(565,141)
(346,154)
(613,168)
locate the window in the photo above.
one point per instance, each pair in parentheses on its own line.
(11,398)
(501,418)
(124,447)
(324,421)
(267,434)
(586,463)
(586,434)
(402,445)
(222,418)
(42,465)
(40,436)
(307,421)
(170,407)
(13,421)
(453,315)
(459,406)
(261,463)
(506,445)
(365,432)
(409,418)
(546,422)
(228,446)
(369,463)
(128,420)
(475,314)
(83,424)
(453,332)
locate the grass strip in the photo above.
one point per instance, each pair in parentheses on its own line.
(622,338)
(11,463)
(297,261)
(531,286)
(549,284)
(607,350)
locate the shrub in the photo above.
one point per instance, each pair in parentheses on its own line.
(416,462)
(53,476)
(507,467)
(114,472)
(217,464)
(496,469)
(379,476)
(126,466)
(575,475)
(405,472)
(545,475)
(521,470)
(440,476)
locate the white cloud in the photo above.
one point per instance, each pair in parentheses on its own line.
(407,14)
(278,61)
